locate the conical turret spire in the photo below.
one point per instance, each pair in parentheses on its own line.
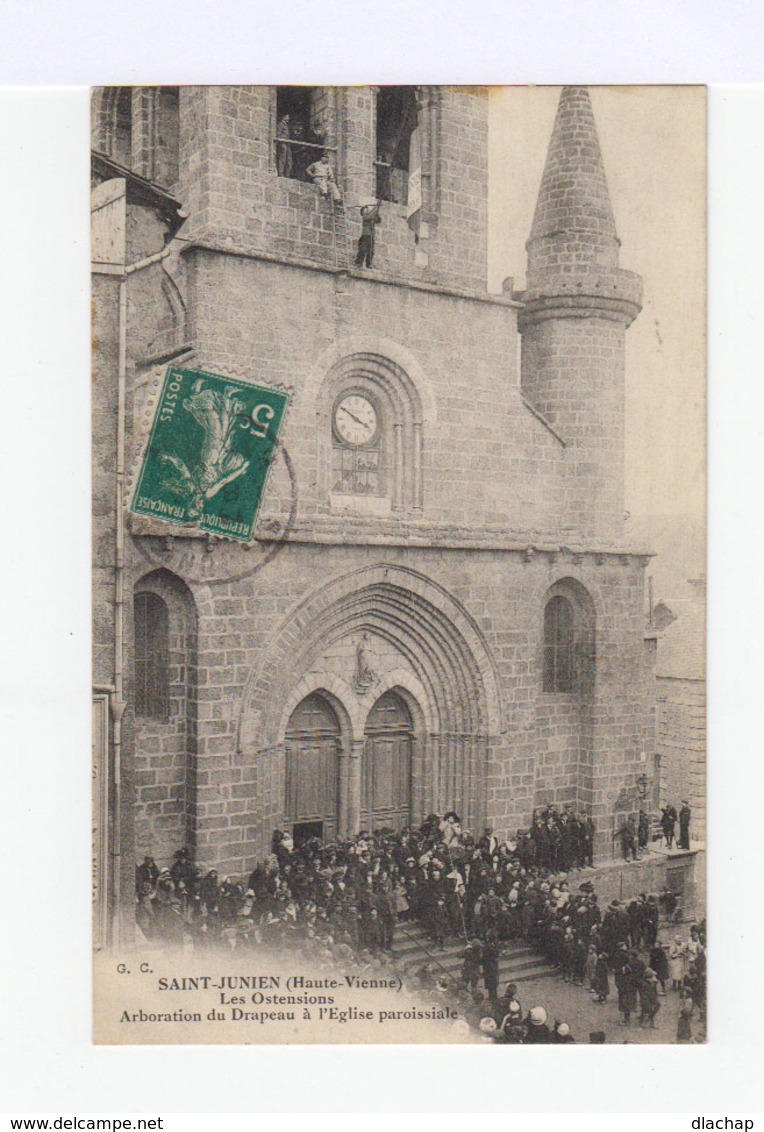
(573,223)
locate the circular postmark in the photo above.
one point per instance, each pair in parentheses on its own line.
(213,559)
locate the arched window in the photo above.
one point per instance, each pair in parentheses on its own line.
(152,659)
(304,129)
(122,126)
(396,122)
(167,156)
(559,667)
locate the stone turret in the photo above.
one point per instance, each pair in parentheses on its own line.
(578,305)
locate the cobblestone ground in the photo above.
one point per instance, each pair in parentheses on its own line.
(577,1007)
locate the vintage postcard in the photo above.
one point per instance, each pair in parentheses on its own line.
(399,564)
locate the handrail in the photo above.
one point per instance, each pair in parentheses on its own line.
(304,144)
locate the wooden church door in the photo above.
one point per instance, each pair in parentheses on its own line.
(386,765)
(312,769)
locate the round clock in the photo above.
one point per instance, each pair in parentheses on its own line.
(355,420)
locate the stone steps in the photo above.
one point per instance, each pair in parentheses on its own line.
(518,962)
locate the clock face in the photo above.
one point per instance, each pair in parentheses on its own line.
(355,420)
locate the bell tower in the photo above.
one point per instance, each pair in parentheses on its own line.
(578,305)
(245,157)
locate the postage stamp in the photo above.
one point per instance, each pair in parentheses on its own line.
(211,445)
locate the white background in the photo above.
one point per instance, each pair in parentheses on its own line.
(47,1062)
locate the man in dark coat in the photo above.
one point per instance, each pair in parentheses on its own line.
(650,921)
(615,927)
(628,835)
(589,830)
(643,830)
(634,913)
(491,966)
(146,873)
(565,843)
(626,980)
(659,964)
(668,824)
(369,219)
(471,962)
(385,903)
(648,998)
(182,868)
(601,985)
(684,826)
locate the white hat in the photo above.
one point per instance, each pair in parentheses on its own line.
(563,1029)
(488,1025)
(537,1016)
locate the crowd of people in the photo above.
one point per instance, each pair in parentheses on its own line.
(343,902)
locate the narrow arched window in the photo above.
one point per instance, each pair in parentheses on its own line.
(122,126)
(152,659)
(304,129)
(558,646)
(396,121)
(167,155)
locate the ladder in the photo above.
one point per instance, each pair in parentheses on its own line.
(339,223)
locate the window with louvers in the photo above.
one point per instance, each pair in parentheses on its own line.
(152,660)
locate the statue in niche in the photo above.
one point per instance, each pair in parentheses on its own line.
(365,676)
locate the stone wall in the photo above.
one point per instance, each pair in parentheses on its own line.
(681,747)
(489,732)
(683,873)
(487,459)
(573,373)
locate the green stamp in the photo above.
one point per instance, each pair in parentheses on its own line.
(212,442)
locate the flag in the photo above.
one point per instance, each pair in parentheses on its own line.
(414,205)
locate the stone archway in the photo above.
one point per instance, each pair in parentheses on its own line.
(424,646)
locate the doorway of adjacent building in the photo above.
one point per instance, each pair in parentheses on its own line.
(386,765)
(312,746)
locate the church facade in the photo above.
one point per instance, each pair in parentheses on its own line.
(439,611)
